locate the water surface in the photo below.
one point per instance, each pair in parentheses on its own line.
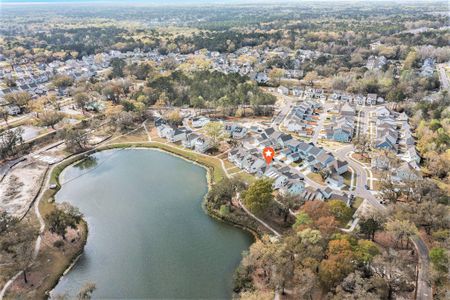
(148,234)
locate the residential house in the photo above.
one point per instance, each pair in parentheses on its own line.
(427,68)
(164,130)
(406,172)
(340,166)
(283,90)
(177,135)
(382,112)
(189,141)
(292,157)
(235,131)
(261,78)
(293,187)
(376,62)
(371,99)
(201,121)
(297,91)
(202,144)
(380,162)
(335,181)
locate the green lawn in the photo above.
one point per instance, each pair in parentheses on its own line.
(347,178)
(315,177)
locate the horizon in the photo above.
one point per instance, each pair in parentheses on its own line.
(166,2)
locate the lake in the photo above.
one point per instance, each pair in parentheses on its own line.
(149,237)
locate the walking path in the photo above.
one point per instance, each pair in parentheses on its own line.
(257,219)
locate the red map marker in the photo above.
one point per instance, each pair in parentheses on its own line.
(268,154)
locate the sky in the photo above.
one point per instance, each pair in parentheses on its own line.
(187,1)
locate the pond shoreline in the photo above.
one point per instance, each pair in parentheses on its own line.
(58,170)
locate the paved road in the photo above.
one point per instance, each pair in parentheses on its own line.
(424,291)
(285,108)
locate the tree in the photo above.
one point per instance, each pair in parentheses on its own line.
(124,120)
(366,251)
(81,99)
(338,264)
(411,60)
(198,102)
(310,236)
(19,99)
(401,230)
(362,144)
(174,118)
(37,106)
(162,101)
(62,81)
(358,286)
(369,226)
(396,273)
(76,139)
(10,142)
(215,132)
(302,219)
(276,73)
(340,211)
(4,115)
(224,191)
(63,217)
(310,77)
(16,241)
(388,190)
(288,202)
(396,94)
(6,220)
(117,65)
(257,295)
(439,258)
(258,196)
(50,117)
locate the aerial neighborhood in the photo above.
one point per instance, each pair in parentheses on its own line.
(317,133)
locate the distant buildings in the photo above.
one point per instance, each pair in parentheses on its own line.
(376,62)
(393,133)
(342,127)
(303,118)
(427,68)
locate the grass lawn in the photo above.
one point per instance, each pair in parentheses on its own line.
(347,178)
(376,185)
(136,136)
(248,178)
(233,170)
(361,158)
(357,203)
(316,177)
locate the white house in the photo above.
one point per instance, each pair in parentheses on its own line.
(202,145)
(198,122)
(283,90)
(177,135)
(383,112)
(293,187)
(335,181)
(164,131)
(189,141)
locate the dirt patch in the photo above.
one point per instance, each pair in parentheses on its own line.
(21,186)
